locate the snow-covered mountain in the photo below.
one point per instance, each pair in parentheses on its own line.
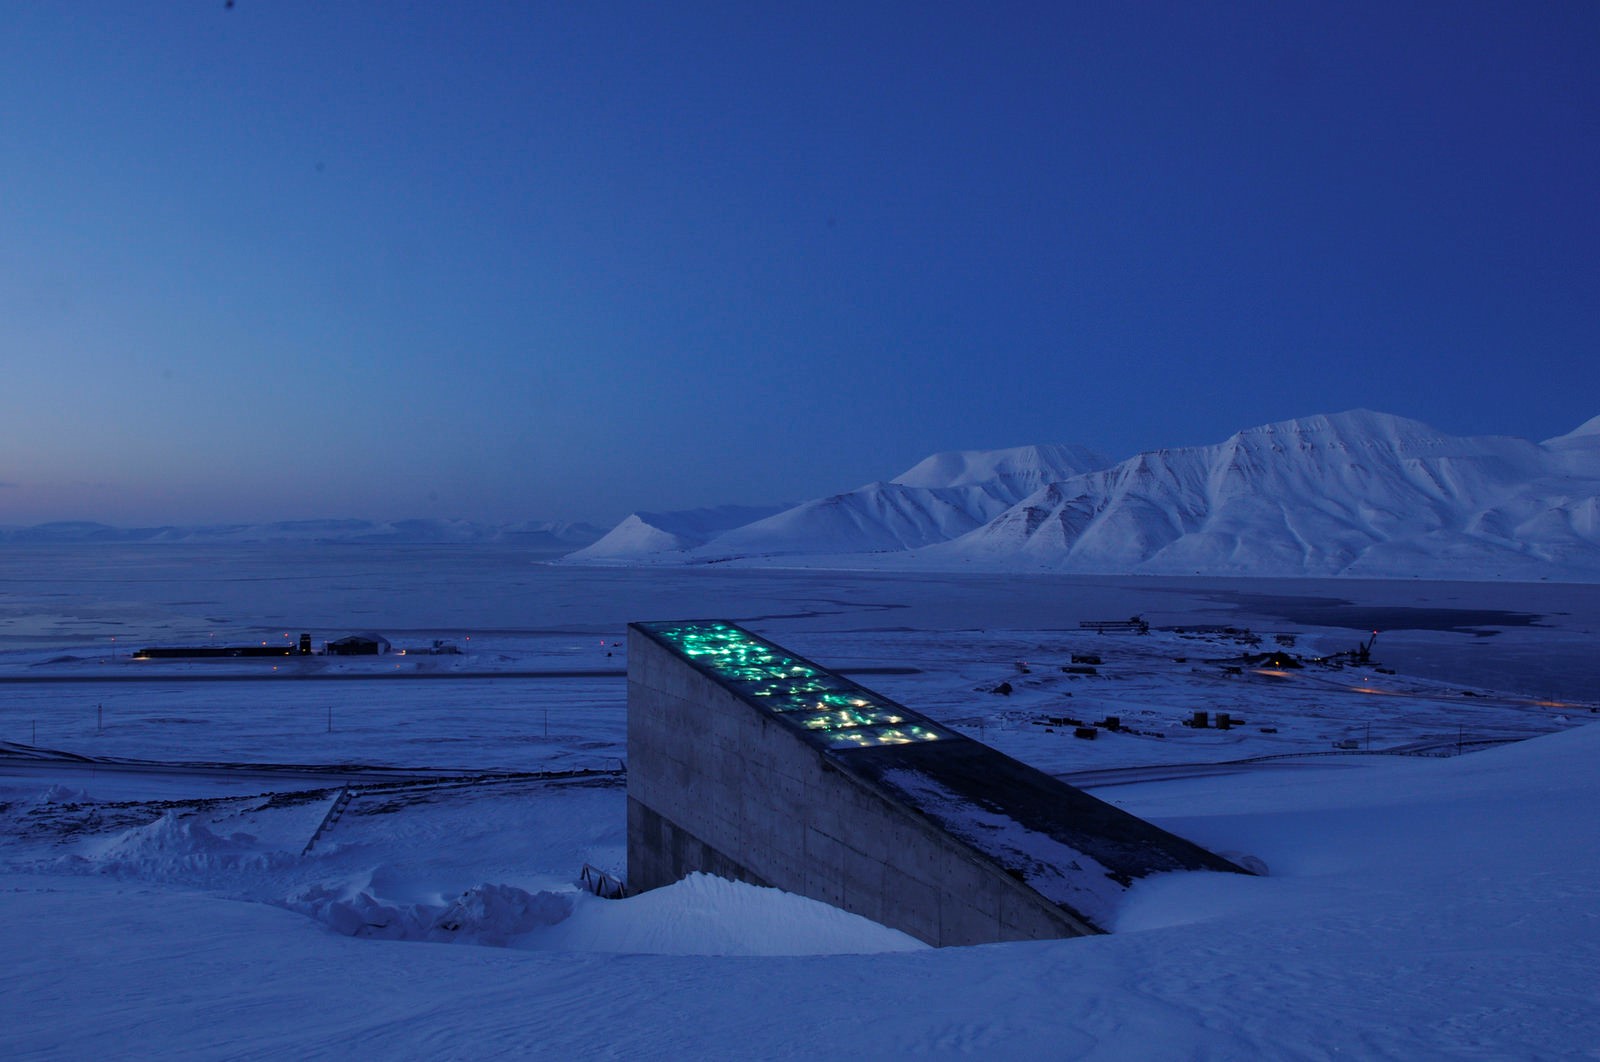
(666,538)
(942,497)
(1012,474)
(1357,493)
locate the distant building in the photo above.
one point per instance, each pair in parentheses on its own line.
(202,652)
(358,645)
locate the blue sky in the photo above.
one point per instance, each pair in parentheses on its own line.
(515,261)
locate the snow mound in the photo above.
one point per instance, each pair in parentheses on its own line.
(494,915)
(363,914)
(29,803)
(176,847)
(61,794)
(705,915)
(1501,819)
(700,915)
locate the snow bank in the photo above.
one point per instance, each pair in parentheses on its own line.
(178,848)
(497,915)
(700,915)
(704,915)
(1417,909)
(1473,832)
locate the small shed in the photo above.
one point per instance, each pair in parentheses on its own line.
(359,645)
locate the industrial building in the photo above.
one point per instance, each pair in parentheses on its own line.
(358,645)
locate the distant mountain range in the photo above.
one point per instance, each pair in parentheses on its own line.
(1353,494)
(1350,494)
(941,498)
(552,536)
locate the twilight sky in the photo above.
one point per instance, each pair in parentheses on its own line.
(561,261)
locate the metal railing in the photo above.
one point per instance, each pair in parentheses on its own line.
(340,802)
(606,886)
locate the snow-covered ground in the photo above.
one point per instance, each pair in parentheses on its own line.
(1415,906)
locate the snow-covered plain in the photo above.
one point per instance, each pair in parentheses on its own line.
(1415,906)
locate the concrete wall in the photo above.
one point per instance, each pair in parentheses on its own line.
(719,785)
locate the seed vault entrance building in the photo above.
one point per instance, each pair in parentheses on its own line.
(749,762)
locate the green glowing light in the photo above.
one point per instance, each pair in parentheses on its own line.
(838,710)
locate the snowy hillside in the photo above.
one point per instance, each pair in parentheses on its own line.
(1412,906)
(942,497)
(1010,474)
(667,538)
(1357,493)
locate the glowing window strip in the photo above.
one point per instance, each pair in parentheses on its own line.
(842,713)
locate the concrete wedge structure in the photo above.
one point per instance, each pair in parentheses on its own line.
(749,762)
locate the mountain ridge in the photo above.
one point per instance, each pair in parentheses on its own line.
(1358,493)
